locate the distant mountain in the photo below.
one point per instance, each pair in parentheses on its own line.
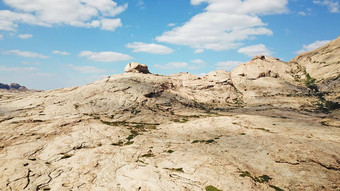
(13,86)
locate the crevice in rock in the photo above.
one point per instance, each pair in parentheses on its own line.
(28,178)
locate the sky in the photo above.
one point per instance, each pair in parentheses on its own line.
(50,44)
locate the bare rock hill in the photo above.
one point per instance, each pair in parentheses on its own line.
(266,125)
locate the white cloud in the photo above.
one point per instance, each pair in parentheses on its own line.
(194,65)
(173,65)
(79,13)
(259,49)
(171,24)
(198,51)
(26,54)
(87,69)
(43,74)
(30,63)
(312,46)
(9,20)
(302,13)
(198,61)
(149,48)
(333,6)
(111,24)
(17,69)
(140,4)
(228,65)
(60,52)
(197,64)
(224,24)
(105,56)
(1,36)
(25,36)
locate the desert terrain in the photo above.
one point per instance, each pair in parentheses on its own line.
(266,125)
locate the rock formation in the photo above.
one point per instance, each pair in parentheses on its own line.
(266,125)
(134,67)
(13,86)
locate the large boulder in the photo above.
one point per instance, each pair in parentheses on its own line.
(135,67)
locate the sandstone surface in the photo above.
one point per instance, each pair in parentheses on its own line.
(266,125)
(134,67)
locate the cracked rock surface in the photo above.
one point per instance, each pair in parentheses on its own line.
(258,127)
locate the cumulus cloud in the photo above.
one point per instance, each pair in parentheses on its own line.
(79,13)
(312,46)
(25,36)
(224,24)
(64,53)
(87,69)
(333,6)
(111,24)
(228,65)
(259,49)
(26,54)
(149,48)
(105,56)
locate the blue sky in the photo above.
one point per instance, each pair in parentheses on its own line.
(49,44)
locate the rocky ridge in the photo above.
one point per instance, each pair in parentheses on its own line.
(266,125)
(13,86)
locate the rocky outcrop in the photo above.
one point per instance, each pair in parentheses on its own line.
(254,128)
(13,86)
(322,63)
(267,81)
(135,67)
(4,86)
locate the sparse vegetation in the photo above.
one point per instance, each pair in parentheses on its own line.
(212,188)
(238,102)
(204,141)
(137,125)
(324,123)
(170,151)
(322,104)
(148,155)
(210,141)
(310,82)
(260,179)
(175,169)
(129,143)
(119,143)
(263,129)
(276,188)
(184,120)
(66,156)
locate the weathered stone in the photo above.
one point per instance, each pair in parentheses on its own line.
(247,129)
(135,67)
